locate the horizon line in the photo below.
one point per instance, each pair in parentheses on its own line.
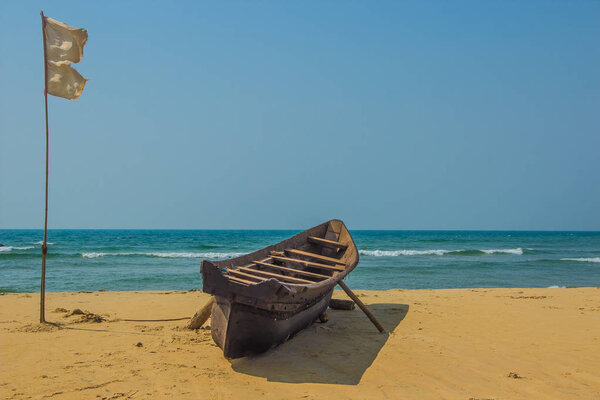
(301,229)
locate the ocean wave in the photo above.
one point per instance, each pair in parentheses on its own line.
(556,287)
(42,242)
(584,259)
(209,255)
(517,251)
(396,253)
(6,249)
(437,252)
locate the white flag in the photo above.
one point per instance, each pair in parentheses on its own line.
(64,46)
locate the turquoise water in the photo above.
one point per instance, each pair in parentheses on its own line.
(170,259)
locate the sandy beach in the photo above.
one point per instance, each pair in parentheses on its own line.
(454,344)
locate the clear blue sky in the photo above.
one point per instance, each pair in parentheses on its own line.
(389,115)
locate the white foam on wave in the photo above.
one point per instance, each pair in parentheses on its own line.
(92,255)
(6,249)
(518,251)
(556,287)
(584,259)
(395,253)
(437,252)
(196,255)
(209,255)
(42,242)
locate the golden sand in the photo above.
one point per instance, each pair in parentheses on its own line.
(451,344)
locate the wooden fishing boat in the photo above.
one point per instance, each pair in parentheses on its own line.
(264,298)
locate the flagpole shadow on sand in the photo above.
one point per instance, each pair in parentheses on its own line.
(337,352)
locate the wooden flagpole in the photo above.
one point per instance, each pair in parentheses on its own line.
(44,244)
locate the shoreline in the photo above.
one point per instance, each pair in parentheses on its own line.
(442,343)
(166,291)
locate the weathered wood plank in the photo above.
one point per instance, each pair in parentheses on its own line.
(309,263)
(252,263)
(338,304)
(201,316)
(327,243)
(243,281)
(296,271)
(275,275)
(313,255)
(245,275)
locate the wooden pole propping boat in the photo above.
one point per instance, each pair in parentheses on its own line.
(201,316)
(266,297)
(362,306)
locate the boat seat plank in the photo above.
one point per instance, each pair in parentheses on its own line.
(242,281)
(275,275)
(327,243)
(295,271)
(313,255)
(252,263)
(309,263)
(245,275)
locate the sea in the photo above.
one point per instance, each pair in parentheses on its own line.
(113,260)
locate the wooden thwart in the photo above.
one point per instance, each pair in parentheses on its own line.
(309,263)
(244,275)
(313,255)
(327,243)
(252,263)
(296,271)
(242,281)
(281,277)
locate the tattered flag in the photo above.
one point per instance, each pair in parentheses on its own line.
(64,46)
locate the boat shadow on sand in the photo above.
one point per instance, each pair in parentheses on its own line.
(336,352)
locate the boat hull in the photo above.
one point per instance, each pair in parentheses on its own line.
(251,317)
(241,330)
